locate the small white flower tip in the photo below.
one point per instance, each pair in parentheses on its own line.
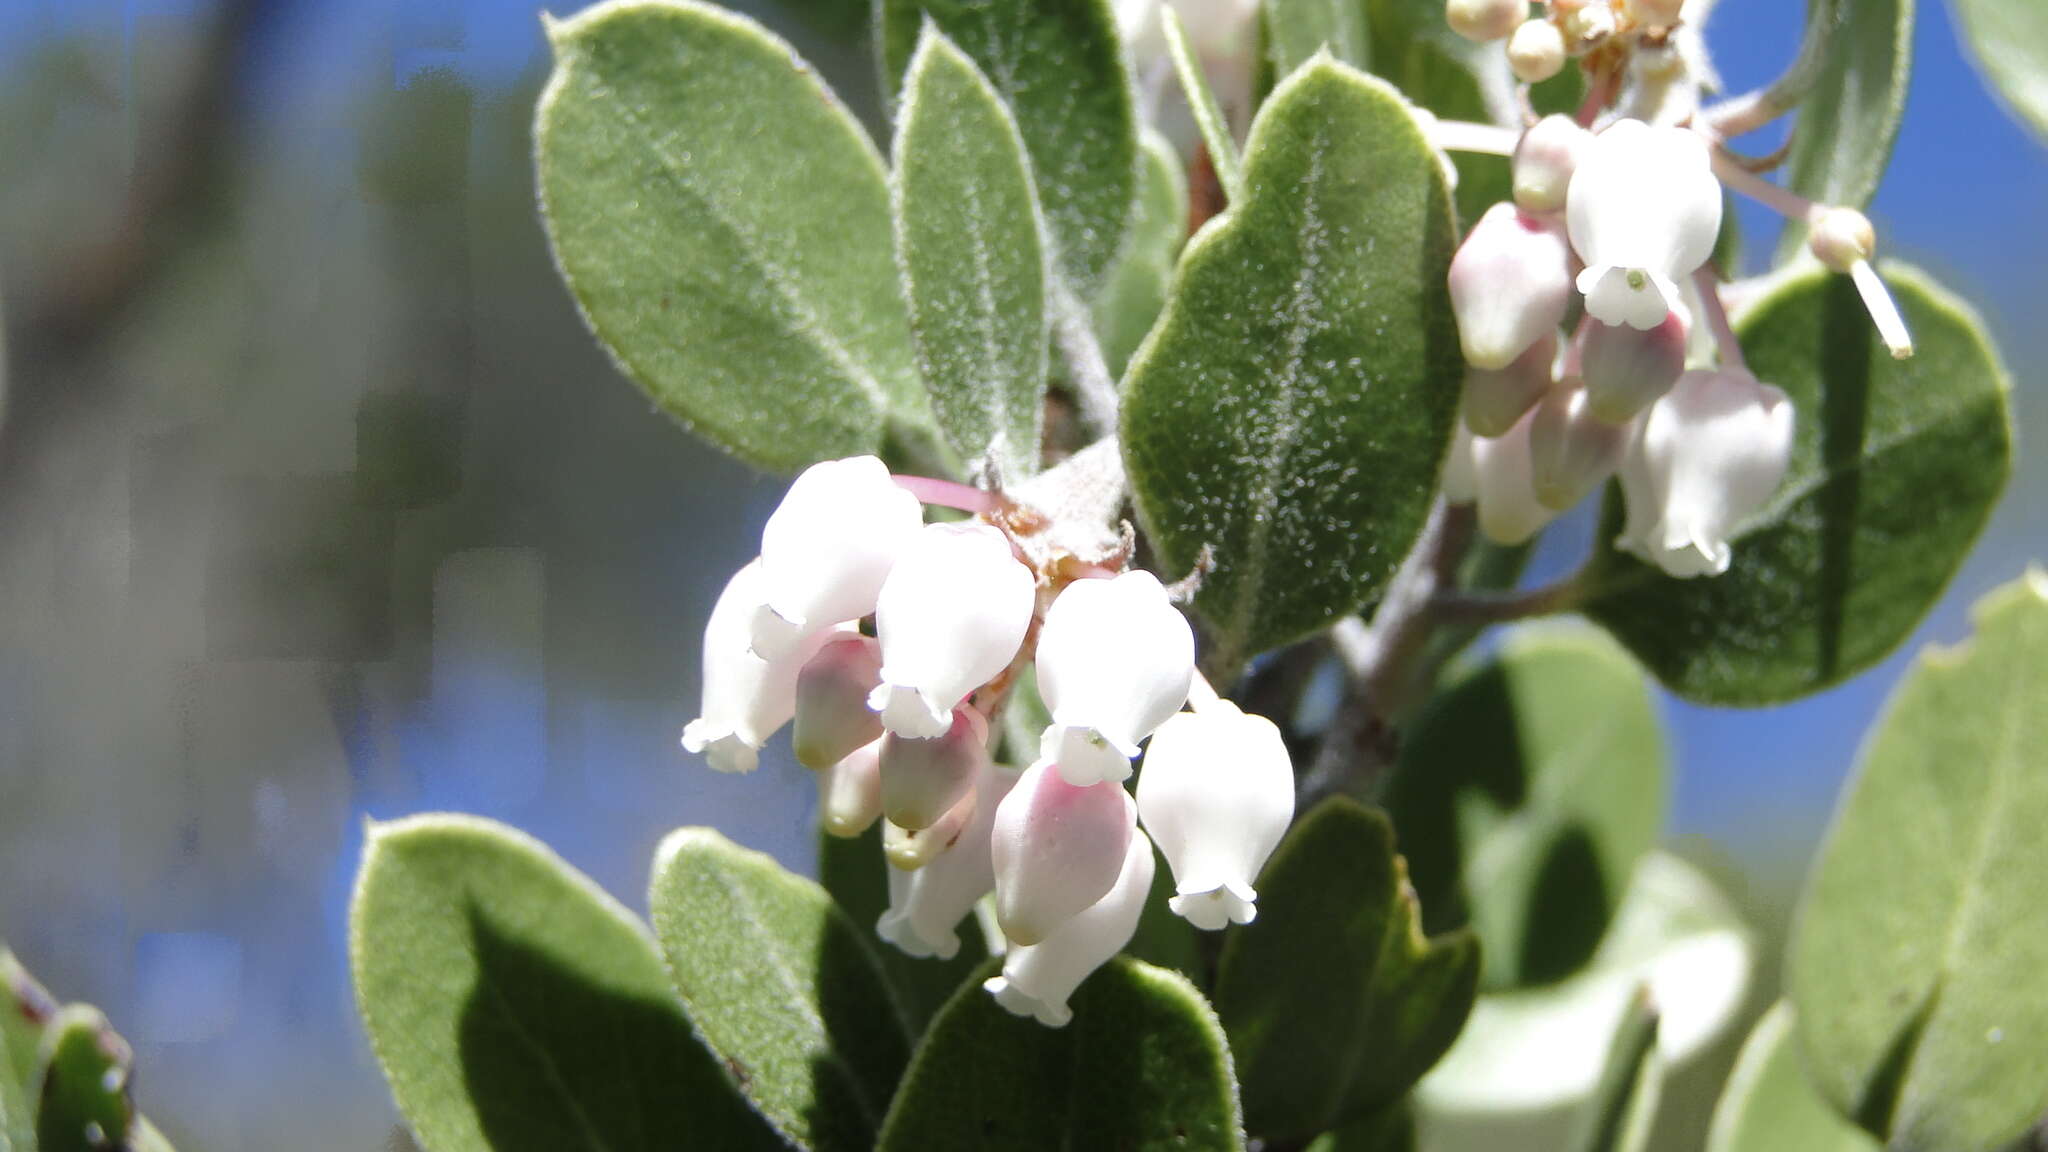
(850,793)
(722,748)
(1018,1002)
(900,929)
(1215,909)
(908,712)
(1085,756)
(1636,297)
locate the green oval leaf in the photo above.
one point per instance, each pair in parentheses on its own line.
(724,226)
(782,986)
(84,1104)
(2010,44)
(856,875)
(1291,409)
(1136,290)
(1530,1058)
(1292,31)
(1849,118)
(1059,66)
(1895,469)
(514,1006)
(1335,1001)
(1623,1106)
(1769,1104)
(1929,884)
(969,242)
(1142,1068)
(1527,792)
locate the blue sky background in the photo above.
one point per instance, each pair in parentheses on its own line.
(560,604)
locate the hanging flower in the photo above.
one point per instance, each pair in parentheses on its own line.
(1038,979)
(923,779)
(827,548)
(1644,210)
(1571,451)
(1056,849)
(1626,368)
(1217,794)
(951,616)
(746,698)
(1115,659)
(1510,281)
(1710,455)
(926,906)
(850,792)
(1499,476)
(1496,397)
(832,713)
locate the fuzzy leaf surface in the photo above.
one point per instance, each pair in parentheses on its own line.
(1136,290)
(1929,884)
(782,986)
(723,223)
(1292,408)
(1896,465)
(1848,120)
(1769,1104)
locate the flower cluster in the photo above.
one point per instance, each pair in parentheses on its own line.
(1610,231)
(902,723)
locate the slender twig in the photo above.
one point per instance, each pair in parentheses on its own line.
(1716,315)
(1503,607)
(1094,388)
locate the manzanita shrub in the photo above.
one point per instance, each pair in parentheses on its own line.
(1152,494)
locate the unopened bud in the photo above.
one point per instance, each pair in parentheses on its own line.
(1484,20)
(923,779)
(827,548)
(912,848)
(1510,283)
(1217,793)
(1495,399)
(1839,237)
(951,616)
(1656,13)
(1115,659)
(1057,849)
(1628,368)
(1570,450)
(1545,160)
(1536,52)
(1038,979)
(850,792)
(1505,487)
(832,713)
(926,906)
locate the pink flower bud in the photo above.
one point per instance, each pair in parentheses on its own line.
(1570,450)
(1038,979)
(1626,368)
(746,698)
(926,906)
(1712,452)
(850,792)
(1496,398)
(912,848)
(1545,160)
(951,617)
(832,713)
(1056,849)
(1504,483)
(827,548)
(1216,794)
(1644,210)
(923,779)
(1510,283)
(1115,659)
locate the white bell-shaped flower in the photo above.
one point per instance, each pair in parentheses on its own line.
(1545,159)
(1510,281)
(828,547)
(1504,486)
(850,792)
(923,779)
(1496,397)
(832,713)
(1712,453)
(926,906)
(1626,369)
(1644,209)
(1115,659)
(746,698)
(1038,979)
(951,617)
(1571,451)
(1057,848)
(1217,794)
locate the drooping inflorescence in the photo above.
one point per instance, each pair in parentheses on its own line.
(903,725)
(1596,340)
